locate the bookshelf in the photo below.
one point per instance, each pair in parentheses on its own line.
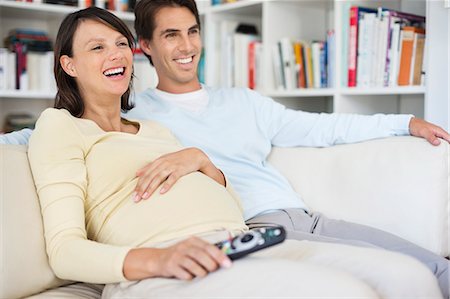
(46,17)
(310,20)
(274,20)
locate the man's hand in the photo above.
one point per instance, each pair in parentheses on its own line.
(185,260)
(421,128)
(167,169)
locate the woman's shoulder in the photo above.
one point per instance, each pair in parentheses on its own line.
(53,114)
(57,122)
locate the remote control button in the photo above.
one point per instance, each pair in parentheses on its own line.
(246,238)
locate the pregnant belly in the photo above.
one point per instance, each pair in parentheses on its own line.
(195,204)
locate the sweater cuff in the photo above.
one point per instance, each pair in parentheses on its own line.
(401,124)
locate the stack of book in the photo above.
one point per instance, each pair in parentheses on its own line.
(385,48)
(300,64)
(27,61)
(240,55)
(18,121)
(217,2)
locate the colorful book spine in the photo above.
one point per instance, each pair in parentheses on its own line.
(407,48)
(355,14)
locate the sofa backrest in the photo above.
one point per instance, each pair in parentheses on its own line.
(397,184)
(24,264)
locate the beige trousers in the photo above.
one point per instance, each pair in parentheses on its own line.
(299,269)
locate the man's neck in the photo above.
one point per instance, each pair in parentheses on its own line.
(179,88)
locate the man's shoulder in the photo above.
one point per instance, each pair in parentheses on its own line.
(238,95)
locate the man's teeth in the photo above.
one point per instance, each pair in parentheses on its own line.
(184,60)
(116,71)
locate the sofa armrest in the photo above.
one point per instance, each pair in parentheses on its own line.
(397,184)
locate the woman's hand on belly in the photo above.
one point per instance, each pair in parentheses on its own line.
(185,260)
(167,169)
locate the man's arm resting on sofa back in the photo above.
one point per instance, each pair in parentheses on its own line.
(17,137)
(417,127)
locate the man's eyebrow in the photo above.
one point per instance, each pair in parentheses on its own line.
(169,31)
(172,30)
(196,26)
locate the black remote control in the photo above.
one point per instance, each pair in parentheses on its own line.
(252,241)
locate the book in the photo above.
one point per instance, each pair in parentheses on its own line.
(226,52)
(356,12)
(288,59)
(396,21)
(407,44)
(309,67)
(276,62)
(419,48)
(331,56)
(316,48)
(300,67)
(365,51)
(252,48)
(345,30)
(391,69)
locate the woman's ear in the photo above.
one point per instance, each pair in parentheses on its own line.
(145,46)
(67,65)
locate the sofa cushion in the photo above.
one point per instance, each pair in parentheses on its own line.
(76,291)
(23,256)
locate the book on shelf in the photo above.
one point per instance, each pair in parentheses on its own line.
(254,64)
(288,63)
(419,62)
(18,121)
(375,40)
(27,61)
(218,2)
(239,53)
(408,43)
(302,64)
(277,63)
(330,58)
(356,14)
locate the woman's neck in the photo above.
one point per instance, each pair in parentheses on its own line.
(105,115)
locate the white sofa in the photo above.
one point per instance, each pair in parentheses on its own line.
(398,184)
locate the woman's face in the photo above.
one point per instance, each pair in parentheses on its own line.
(102,61)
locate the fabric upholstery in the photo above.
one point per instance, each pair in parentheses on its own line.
(398,184)
(24,264)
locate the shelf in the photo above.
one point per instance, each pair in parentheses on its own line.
(28,95)
(307,92)
(13,9)
(400,90)
(244,8)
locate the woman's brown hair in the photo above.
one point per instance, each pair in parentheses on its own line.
(68,95)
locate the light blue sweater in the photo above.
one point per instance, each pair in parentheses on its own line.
(239,127)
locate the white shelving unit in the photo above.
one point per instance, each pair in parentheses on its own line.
(309,20)
(275,19)
(45,17)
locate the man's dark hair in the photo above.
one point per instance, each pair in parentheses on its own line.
(146,10)
(68,95)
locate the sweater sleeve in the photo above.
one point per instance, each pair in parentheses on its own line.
(56,153)
(17,137)
(287,127)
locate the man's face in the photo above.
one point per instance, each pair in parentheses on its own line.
(175,49)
